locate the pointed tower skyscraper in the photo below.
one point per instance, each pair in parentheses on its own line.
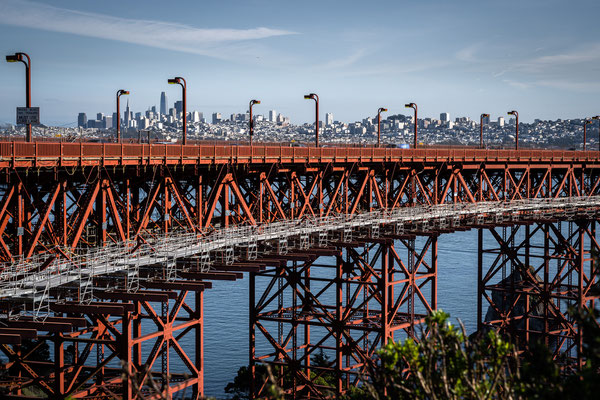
(164,104)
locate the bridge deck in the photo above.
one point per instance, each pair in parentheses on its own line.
(34,277)
(48,154)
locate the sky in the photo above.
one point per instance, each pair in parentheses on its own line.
(540,57)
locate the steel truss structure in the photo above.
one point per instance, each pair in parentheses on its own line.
(354,296)
(118,346)
(344,237)
(532,276)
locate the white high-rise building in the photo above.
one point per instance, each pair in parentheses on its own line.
(328,119)
(273,116)
(445,117)
(500,122)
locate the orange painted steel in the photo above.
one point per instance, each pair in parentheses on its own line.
(62,198)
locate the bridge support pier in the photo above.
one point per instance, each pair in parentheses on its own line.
(318,317)
(531,275)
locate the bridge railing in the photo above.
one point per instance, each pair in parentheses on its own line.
(49,151)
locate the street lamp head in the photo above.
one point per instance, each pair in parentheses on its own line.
(596,117)
(310,96)
(255,102)
(14,57)
(174,81)
(123,92)
(382,109)
(587,121)
(513,112)
(485,115)
(410,105)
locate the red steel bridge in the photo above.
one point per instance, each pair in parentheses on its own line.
(106,251)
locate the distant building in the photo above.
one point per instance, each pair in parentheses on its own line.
(82,120)
(500,122)
(164,103)
(445,117)
(128,115)
(273,116)
(179,106)
(485,120)
(216,118)
(99,117)
(115,120)
(328,119)
(108,122)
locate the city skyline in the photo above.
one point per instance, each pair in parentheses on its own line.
(465,59)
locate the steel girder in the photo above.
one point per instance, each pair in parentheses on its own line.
(62,210)
(116,348)
(345,304)
(529,278)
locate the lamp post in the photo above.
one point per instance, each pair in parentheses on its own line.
(414,106)
(481,129)
(120,93)
(20,57)
(585,124)
(516,114)
(251,124)
(381,109)
(180,81)
(314,97)
(598,118)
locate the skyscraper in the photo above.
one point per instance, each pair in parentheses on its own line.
(272,115)
(82,120)
(164,104)
(128,115)
(445,117)
(328,119)
(179,106)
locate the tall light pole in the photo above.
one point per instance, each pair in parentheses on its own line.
(314,97)
(598,118)
(585,124)
(414,106)
(381,109)
(180,81)
(481,129)
(516,114)
(120,93)
(252,102)
(20,57)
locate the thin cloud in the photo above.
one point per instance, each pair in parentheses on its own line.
(156,34)
(517,84)
(573,86)
(345,61)
(467,54)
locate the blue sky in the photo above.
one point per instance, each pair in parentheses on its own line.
(540,57)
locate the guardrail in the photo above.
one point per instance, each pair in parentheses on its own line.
(47,153)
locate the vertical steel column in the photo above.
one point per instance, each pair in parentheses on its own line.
(337,328)
(199,342)
(252,332)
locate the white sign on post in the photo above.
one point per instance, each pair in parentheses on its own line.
(28,115)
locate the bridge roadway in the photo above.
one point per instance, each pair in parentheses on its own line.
(32,279)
